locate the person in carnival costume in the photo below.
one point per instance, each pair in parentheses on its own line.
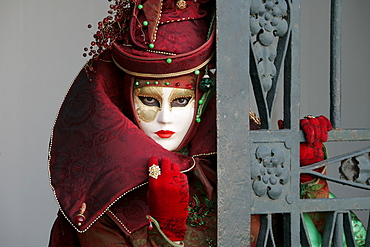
(132,153)
(135,107)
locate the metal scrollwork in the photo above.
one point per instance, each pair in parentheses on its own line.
(356,169)
(269,30)
(269,172)
(267,22)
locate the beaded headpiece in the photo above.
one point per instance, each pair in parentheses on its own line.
(185,81)
(157,38)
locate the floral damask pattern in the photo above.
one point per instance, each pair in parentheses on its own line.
(269,172)
(198,210)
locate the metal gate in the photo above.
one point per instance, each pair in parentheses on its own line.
(258,43)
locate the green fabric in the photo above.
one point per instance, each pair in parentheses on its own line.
(314,235)
(358,228)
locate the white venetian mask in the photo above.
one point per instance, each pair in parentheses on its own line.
(165,114)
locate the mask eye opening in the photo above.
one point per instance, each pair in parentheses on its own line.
(181,101)
(149,101)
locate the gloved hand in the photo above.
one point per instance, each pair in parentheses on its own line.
(316,128)
(316,131)
(168,198)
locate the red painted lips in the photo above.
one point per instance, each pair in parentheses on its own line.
(164,133)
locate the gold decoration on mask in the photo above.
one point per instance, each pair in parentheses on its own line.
(144,112)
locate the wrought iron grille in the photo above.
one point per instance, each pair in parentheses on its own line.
(264,50)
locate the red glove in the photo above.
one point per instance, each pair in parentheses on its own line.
(316,131)
(168,198)
(316,128)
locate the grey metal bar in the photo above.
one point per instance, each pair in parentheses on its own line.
(327,238)
(336,159)
(292,78)
(292,75)
(348,230)
(334,135)
(337,180)
(341,135)
(334,204)
(367,242)
(338,233)
(349,135)
(265,235)
(335,62)
(264,207)
(233,157)
(313,205)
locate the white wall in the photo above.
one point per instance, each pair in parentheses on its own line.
(41,50)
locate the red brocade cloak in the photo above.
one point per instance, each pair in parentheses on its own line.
(98,155)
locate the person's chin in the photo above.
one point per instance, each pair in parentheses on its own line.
(167,143)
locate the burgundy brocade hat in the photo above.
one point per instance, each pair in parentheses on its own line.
(166,38)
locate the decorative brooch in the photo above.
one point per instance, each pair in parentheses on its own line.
(154,171)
